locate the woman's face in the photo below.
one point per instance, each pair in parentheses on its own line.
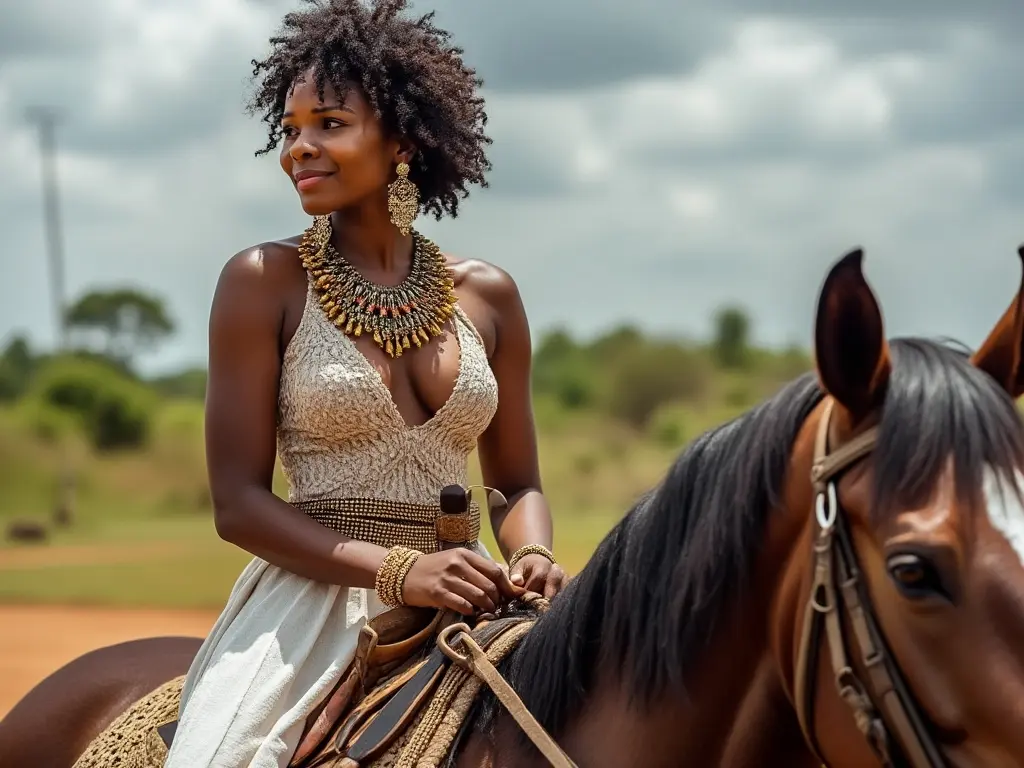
(335,152)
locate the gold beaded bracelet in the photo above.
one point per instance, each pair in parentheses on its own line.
(390,578)
(530,549)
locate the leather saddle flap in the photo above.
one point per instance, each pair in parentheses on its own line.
(388,645)
(381,728)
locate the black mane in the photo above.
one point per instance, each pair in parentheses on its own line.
(653,592)
(940,407)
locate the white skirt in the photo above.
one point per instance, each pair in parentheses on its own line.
(278,648)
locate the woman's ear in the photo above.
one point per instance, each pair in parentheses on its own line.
(405,151)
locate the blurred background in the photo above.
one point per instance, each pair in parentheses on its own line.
(671,182)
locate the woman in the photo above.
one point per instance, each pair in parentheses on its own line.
(373,363)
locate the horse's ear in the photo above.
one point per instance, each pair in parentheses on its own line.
(851,353)
(1000,355)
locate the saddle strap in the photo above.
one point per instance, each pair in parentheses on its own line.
(367,732)
(476,661)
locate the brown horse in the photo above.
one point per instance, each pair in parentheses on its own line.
(884,492)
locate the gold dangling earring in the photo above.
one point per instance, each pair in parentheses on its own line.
(403,199)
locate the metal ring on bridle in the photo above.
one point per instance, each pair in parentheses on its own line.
(445,639)
(826,517)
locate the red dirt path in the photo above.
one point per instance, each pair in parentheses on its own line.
(36,640)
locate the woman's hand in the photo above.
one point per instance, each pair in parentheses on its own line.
(538,574)
(458,579)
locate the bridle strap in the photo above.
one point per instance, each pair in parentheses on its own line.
(882,707)
(899,716)
(829,465)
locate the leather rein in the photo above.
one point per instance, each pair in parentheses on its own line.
(840,606)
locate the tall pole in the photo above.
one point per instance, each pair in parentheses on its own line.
(46,123)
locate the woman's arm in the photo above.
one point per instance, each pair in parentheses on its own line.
(508,448)
(241,433)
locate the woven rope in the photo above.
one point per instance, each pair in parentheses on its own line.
(430,742)
(132,741)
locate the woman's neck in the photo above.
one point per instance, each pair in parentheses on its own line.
(365,237)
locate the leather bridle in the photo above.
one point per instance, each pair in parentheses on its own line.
(840,604)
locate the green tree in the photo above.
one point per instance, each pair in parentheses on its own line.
(124,321)
(16,366)
(621,340)
(649,375)
(189,384)
(554,347)
(562,369)
(732,338)
(114,410)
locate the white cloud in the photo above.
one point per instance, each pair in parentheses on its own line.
(773,51)
(692,202)
(655,196)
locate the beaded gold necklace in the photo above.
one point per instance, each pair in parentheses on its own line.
(397,316)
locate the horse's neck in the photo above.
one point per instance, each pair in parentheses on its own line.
(765,730)
(736,714)
(737,711)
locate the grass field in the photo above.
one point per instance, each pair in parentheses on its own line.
(143,533)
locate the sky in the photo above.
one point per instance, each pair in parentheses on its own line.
(653,161)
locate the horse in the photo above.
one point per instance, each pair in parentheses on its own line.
(833,577)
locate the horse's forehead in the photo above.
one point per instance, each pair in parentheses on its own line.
(939,515)
(1003,497)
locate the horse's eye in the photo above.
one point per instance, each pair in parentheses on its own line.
(916,577)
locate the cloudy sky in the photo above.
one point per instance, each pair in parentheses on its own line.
(653,159)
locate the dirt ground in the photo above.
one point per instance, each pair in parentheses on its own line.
(36,640)
(50,557)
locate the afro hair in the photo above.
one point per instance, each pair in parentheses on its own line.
(414,79)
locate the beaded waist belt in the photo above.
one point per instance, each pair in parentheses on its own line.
(390,523)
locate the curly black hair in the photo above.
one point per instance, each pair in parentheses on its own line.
(414,79)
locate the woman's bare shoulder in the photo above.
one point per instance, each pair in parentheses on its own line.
(488,282)
(258,284)
(265,263)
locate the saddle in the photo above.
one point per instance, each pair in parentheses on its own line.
(391,657)
(402,677)
(401,682)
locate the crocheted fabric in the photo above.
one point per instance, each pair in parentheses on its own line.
(340,434)
(132,741)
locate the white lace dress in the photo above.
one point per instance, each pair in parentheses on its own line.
(283,641)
